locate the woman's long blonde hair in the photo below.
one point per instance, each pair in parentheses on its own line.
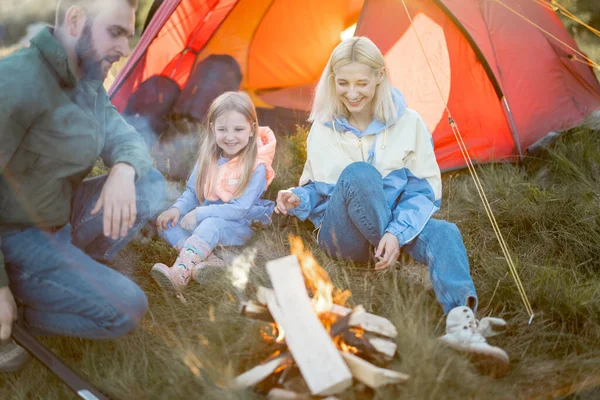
(327,104)
(209,152)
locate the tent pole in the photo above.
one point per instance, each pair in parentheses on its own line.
(513,129)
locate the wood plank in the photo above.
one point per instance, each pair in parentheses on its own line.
(369,322)
(283,394)
(384,346)
(319,361)
(254,310)
(369,374)
(260,372)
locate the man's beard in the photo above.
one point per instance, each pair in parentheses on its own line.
(88,61)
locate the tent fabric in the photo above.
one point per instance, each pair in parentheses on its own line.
(483,56)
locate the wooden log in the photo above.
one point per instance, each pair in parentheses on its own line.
(322,367)
(283,394)
(371,375)
(252,309)
(384,346)
(260,372)
(369,322)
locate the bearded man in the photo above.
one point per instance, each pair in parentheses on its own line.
(57,228)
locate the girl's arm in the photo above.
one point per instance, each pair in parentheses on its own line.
(421,197)
(188,200)
(238,208)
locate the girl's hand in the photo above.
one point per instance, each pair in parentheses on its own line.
(286,200)
(171,215)
(189,222)
(387,252)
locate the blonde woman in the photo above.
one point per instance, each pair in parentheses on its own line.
(371,184)
(223,194)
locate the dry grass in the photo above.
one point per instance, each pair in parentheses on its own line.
(548,214)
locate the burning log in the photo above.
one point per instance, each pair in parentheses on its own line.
(254,310)
(282,394)
(260,372)
(329,344)
(372,376)
(315,354)
(376,349)
(369,322)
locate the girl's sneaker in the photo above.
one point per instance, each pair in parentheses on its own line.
(465,333)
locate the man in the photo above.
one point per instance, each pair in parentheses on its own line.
(56,228)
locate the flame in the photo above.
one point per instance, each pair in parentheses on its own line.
(316,278)
(272,333)
(346,348)
(281,335)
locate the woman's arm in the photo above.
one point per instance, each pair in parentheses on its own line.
(421,197)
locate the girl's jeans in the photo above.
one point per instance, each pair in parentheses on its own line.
(214,231)
(357,216)
(59,284)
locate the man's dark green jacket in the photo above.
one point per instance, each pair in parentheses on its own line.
(53,127)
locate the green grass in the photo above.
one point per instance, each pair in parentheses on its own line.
(548,213)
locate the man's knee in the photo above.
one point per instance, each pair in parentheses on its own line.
(151,188)
(360,173)
(130,306)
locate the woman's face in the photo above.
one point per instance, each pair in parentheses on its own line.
(355,84)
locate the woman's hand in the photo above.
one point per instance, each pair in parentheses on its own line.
(286,200)
(190,221)
(387,252)
(168,216)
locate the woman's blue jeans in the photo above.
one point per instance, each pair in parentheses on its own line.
(61,286)
(357,216)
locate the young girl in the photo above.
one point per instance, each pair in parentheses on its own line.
(371,182)
(223,194)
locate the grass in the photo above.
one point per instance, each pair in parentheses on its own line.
(548,213)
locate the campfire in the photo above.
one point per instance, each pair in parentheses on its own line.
(315,333)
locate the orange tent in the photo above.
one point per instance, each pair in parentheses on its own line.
(506,82)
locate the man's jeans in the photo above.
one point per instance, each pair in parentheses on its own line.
(356,218)
(58,281)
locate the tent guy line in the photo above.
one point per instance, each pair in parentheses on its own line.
(476,181)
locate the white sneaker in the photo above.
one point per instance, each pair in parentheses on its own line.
(465,333)
(12,357)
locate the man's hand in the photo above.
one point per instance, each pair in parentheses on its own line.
(387,252)
(286,200)
(117,201)
(190,221)
(168,216)
(8,312)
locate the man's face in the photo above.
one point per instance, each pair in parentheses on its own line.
(104,38)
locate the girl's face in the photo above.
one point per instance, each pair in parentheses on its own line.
(232,132)
(355,85)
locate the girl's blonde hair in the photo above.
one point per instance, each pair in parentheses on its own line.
(209,152)
(327,104)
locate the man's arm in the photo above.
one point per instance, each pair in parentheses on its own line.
(124,144)
(125,152)
(17,114)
